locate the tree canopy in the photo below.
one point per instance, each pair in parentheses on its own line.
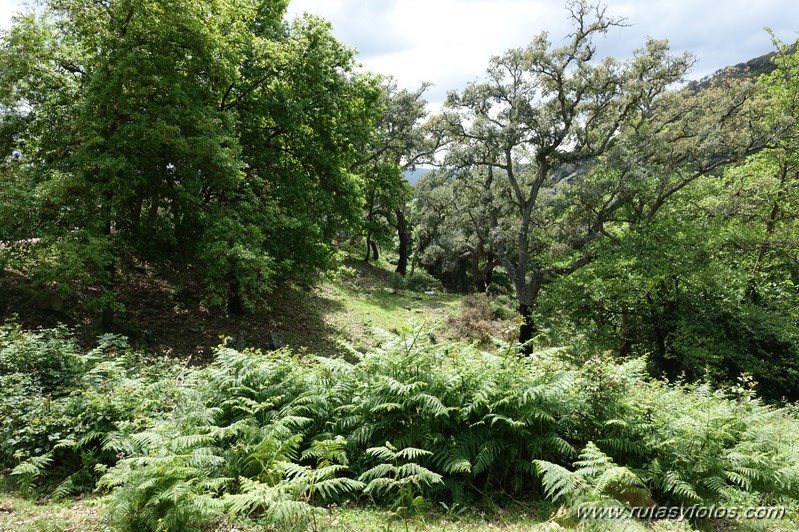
(579,142)
(207,133)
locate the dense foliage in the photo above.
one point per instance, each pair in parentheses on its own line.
(208,134)
(671,231)
(652,230)
(275,437)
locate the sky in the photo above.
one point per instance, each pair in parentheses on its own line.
(449,42)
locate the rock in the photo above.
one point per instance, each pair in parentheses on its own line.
(276,340)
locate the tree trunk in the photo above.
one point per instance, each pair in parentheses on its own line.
(235,303)
(404,242)
(478,279)
(489,270)
(527,294)
(373,244)
(527,329)
(368,247)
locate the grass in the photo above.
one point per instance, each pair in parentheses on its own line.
(369,310)
(21,515)
(85,515)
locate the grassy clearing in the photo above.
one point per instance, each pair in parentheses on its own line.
(21,515)
(356,305)
(367,313)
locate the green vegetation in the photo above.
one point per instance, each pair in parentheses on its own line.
(276,438)
(594,300)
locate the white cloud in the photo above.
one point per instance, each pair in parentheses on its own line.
(449,42)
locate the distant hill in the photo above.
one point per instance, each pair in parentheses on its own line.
(750,69)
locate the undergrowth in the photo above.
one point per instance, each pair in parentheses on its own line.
(277,438)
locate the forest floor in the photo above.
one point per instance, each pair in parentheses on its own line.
(86,515)
(165,313)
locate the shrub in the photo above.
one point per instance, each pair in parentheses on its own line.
(63,430)
(50,357)
(272,436)
(501,284)
(421,281)
(503,308)
(484,319)
(396,281)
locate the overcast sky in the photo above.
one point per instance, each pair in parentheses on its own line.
(449,42)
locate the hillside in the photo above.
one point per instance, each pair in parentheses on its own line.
(752,68)
(165,313)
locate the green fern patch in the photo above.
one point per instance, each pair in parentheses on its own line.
(275,438)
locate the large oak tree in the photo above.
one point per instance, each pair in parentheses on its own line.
(578,139)
(211,133)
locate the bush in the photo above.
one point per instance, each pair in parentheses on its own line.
(475,321)
(501,284)
(421,281)
(484,319)
(272,436)
(503,308)
(51,358)
(396,281)
(64,414)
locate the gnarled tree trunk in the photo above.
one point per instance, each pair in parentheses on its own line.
(404,242)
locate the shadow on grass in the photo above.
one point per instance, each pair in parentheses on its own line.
(300,315)
(165,313)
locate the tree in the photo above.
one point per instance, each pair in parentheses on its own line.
(208,133)
(399,144)
(304,112)
(705,281)
(453,225)
(572,135)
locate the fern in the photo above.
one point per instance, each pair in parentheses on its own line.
(406,479)
(596,479)
(30,470)
(269,436)
(560,482)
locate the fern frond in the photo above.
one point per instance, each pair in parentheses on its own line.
(382,453)
(64,489)
(378,485)
(672,483)
(33,466)
(431,404)
(378,471)
(288,513)
(418,475)
(592,461)
(411,453)
(336,486)
(558,481)
(486,456)
(456,464)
